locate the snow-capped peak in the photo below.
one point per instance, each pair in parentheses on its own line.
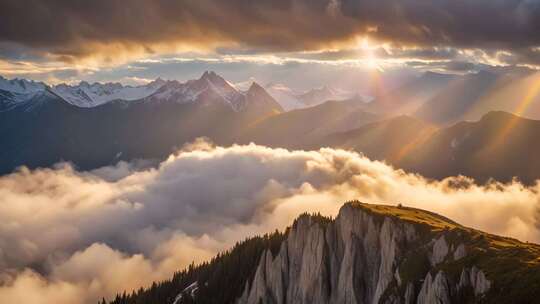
(291,99)
(21,86)
(221,86)
(90,95)
(15,92)
(208,85)
(284,95)
(319,95)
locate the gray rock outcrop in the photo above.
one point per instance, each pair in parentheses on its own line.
(356,259)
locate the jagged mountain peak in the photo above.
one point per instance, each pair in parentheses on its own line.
(211,88)
(211,75)
(255,87)
(216,80)
(21,86)
(158,82)
(259,100)
(16,92)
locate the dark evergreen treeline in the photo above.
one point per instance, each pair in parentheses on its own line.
(220,280)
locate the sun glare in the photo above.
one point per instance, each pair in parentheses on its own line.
(368,55)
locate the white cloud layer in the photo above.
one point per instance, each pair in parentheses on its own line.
(73,237)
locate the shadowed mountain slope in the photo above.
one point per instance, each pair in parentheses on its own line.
(301,129)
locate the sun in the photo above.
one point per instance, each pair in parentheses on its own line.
(372,62)
(369,58)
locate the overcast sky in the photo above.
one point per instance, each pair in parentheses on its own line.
(131,42)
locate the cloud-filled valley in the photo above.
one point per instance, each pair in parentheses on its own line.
(68,236)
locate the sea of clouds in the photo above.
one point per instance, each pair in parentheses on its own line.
(75,237)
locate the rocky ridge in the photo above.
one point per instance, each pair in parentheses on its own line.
(373,254)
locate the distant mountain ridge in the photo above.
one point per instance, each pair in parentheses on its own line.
(21,86)
(499,146)
(318,95)
(82,95)
(92,95)
(441,99)
(209,87)
(293,99)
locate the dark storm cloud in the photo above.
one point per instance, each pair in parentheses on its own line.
(462,23)
(66,27)
(74,29)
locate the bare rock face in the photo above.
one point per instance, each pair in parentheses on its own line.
(440,251)
(460,252)
(357,259)
(476,279)
(435,290)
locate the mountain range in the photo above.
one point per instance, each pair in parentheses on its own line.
(367,254)
(45,128)
(410,127)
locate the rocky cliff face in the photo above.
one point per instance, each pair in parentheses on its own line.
(364,256)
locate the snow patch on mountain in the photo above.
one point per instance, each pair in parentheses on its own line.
(21,86)
(284,95)
(209,88)
(291,99)
(320,95)
(16,92)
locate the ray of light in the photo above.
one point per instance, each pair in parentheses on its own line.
(532,93)
(422,138)
(370,59)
